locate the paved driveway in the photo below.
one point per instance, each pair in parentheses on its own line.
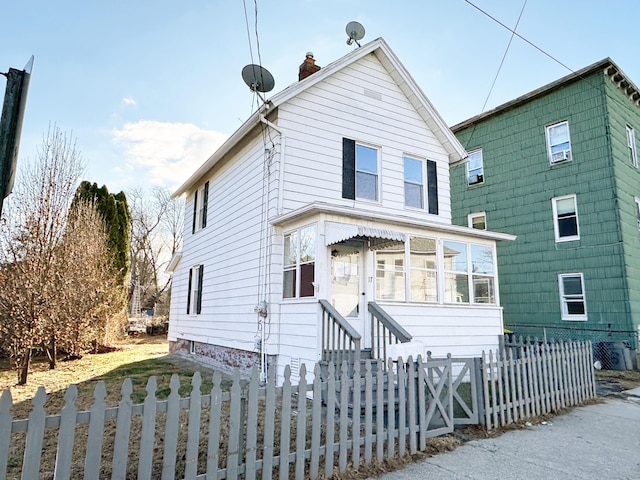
(600,441)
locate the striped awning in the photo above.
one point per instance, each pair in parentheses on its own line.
(339,232)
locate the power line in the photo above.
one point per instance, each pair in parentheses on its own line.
(519,36)
(504,56)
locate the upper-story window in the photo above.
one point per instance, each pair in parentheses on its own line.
(360,171)
(477,220)
(572,299)
(558,142)
(200,206)
(631,143)
(475,168)
(565,216)
(299,263)
(413,182)
(638,212)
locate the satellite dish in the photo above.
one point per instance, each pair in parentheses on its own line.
(258,78)
(355,31)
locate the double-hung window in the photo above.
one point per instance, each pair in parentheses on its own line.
(558,142)
(299,263)
(360,171)
(456,272)
(417,192)
(200,206)
(631,143)
(413,183)
(475,168)
(194,290)
(638,212)
(565,216)
(572,298)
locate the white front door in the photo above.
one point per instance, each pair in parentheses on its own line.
(347,284)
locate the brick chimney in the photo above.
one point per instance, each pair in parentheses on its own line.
(308,67)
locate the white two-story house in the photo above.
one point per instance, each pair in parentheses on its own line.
(323,227)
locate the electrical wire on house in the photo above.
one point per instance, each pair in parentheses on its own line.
(264,244)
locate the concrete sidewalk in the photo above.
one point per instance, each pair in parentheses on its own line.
(600,441)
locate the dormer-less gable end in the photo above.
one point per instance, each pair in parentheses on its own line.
(383,53)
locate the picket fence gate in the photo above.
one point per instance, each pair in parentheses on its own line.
(529,379)
(250,431)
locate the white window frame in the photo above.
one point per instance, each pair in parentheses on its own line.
(423,173)
(555,155)
(556,224)
(472,216)
(476,174)
(200,207)
(637,202)
(299,263)
(566,298)
(193,291)
(365,172)
(631,143)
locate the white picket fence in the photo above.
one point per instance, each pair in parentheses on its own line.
(299,431)
(530,379)
(343,419)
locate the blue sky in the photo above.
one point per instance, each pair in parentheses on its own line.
(149,89)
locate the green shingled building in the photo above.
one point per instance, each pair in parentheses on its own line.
(558,167)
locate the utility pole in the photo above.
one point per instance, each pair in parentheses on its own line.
(15,100)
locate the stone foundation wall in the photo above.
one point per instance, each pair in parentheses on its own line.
(221,358)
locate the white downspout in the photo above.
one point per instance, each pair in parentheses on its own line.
(263,339)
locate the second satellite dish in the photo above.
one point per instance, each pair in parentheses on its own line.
(258,78)
(355,31)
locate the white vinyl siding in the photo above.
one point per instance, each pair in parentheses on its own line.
(339,108)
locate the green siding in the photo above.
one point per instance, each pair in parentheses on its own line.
(519,184)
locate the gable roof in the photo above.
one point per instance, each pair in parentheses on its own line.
(396,70)
(606,65)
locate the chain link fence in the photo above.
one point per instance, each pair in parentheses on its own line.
(612,349)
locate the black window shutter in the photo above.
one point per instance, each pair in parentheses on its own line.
(199,293)
(348,169)
(432,187)
(189,292)
(195,211)
(205,203)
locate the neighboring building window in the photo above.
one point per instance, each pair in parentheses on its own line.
(475,168)
(194,296)
(200,206)
(299,263)
(572,298)
(424,273)
(477,220)
(558,142)
(631,143)
(413,182)
(390,283)
(565,214)
(638,212)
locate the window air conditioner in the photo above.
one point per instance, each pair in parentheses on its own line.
(561,156)
(473,179)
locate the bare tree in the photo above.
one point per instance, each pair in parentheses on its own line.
(157,222)
(55,286)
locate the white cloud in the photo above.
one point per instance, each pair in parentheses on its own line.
(164,153)
(129,101)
